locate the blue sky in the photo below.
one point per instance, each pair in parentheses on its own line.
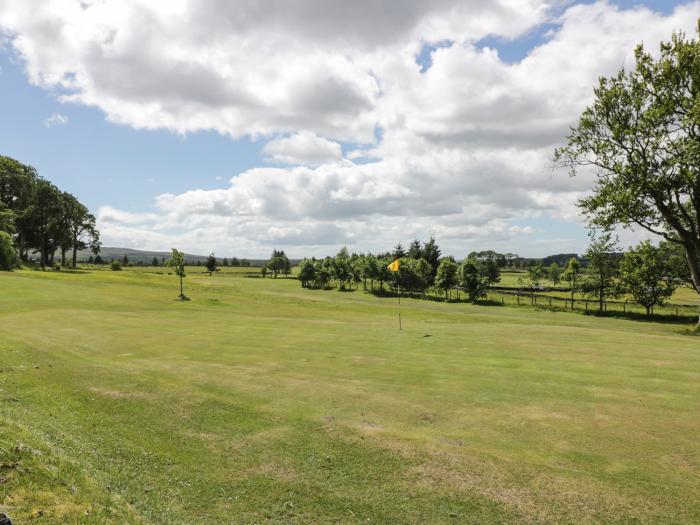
(118,167)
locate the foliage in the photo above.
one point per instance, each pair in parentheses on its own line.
(279,263)
(177,263)
(642,137)
(572,275)
(446,276)
(115,265)
(646,274)
(8,256)
(554,273)
(472,279)
(211,264)
(535,275)
(601,280)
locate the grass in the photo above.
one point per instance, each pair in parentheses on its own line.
(261,402)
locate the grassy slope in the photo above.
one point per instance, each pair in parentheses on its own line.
(262,402)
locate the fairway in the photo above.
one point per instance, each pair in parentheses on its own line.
(262,402)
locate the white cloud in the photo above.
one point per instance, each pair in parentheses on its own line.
(465,145)
(303,148)
(55,120)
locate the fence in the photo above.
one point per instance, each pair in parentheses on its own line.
(518,298)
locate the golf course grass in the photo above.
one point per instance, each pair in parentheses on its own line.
(262,402)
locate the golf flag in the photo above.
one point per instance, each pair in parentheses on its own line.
(394,267)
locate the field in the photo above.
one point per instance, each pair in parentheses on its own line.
(261,402)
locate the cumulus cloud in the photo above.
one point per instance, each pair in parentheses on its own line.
(55,120)
(459,148)
(303,148)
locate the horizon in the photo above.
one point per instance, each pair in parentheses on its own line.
(432,120)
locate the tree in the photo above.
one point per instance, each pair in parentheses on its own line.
(645,273)
(398,252)
(471,278)
(7,219)
(81,228)
(278,263)
(414,250)
(341,268)
(211,264)
(554,273)
(224,263)
(602,268)
(8,257)
(535,274)
(155,262)
(642,136)
(115,265)
(177,263)
(571,275)
(446,275)
(263,271)
(307,272)
(125,260)
(98,259)
(431,253)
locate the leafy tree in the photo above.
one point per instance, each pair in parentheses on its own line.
(224,263)
(263,271)
(81,228)
(602,268)
(155,262)
(307,272)
(341,268)
(535,274)
(211,264)
(115,265)
(245,262)
(572,275)
(177,263)
(125,260)
(235,262)
(98,259)
(644,273)
(384,275)
(642,136)
(8,257)
(471,278)
(278,263)
(7,219)
(446,276)
(554,273)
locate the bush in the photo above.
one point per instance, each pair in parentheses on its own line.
(8,256)
(115,266)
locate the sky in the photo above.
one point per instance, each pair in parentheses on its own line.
(308,125)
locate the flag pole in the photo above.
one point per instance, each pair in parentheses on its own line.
(399,306)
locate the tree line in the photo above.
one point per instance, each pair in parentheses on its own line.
(37,217)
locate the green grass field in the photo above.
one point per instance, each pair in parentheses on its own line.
(261,402)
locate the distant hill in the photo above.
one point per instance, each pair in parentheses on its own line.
(108,253)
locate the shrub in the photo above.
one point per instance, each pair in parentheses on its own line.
(115,266)
(8,256)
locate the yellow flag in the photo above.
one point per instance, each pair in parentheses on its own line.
(394,267)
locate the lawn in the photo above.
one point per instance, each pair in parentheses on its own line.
(262,402)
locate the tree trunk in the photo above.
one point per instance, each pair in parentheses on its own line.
(181,294)
(75,253)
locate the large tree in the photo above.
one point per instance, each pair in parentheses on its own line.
(641,138)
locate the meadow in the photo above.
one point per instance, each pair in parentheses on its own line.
(262,402)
